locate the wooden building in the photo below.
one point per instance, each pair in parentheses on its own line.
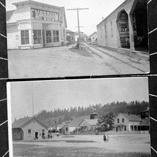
(29,129)
(35,25)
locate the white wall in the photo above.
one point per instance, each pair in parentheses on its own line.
(13,37)
(35,127)
(113,39)
(22,13)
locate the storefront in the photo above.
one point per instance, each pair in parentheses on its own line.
(35,25)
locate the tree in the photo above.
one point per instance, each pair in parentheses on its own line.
(106,122)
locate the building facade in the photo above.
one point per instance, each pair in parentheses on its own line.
(93,37)
(35,25)
(29,129)
(130,122)
(125,27)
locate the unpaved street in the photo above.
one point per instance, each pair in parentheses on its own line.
(67,61)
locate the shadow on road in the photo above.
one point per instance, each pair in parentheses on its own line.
(81,52)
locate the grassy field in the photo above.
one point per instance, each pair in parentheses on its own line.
(131,145)
(41,151)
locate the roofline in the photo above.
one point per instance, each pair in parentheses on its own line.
(35,120)
(35,2)
(93,34)
(31,2)
(124,114)
(113,12)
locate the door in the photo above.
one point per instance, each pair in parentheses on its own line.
(36,135)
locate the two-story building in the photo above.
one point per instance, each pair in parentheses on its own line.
(35,25)
(130,122)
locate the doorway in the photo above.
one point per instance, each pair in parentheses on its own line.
(36,135)
(123,28)
(139,18)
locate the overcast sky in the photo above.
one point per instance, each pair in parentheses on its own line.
(50,95)
(98,9)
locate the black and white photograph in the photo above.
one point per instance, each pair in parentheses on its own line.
(107,117)
(62,38)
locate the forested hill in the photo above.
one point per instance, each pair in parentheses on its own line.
(60,115)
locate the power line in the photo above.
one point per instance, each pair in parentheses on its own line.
(78,21)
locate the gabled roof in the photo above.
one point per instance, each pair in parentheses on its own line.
(89,122)
(20,122)
(122,4)
(25,121)
(93,34)
(77,121)
(9,14)
(31,2)
(132,117)
(35,3)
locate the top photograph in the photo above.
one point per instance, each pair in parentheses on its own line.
(67,38)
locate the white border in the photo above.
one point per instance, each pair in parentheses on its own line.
(10,139)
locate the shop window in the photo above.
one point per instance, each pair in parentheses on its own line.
(55,36)
(37,36)
(48,37)
(24,37)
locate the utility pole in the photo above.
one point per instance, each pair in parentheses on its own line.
(78,22)
(33,101)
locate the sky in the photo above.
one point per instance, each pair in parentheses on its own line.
(98,9)
(50,95)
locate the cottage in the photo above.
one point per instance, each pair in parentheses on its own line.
(35,25)
(125,27)
(29,129)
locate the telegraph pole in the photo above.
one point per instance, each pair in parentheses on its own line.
(78,22)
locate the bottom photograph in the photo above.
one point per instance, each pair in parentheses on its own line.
(106,117)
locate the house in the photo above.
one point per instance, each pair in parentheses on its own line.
(35,25)
(63,128)
(89,124)
(124,28)
(29,128)
(93,37)
(130,122)
(74,125)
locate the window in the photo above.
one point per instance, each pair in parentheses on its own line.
(55,36)
(48,36)
(37,36)
(29,131)
(24,37)
(123,120)
(118,120)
